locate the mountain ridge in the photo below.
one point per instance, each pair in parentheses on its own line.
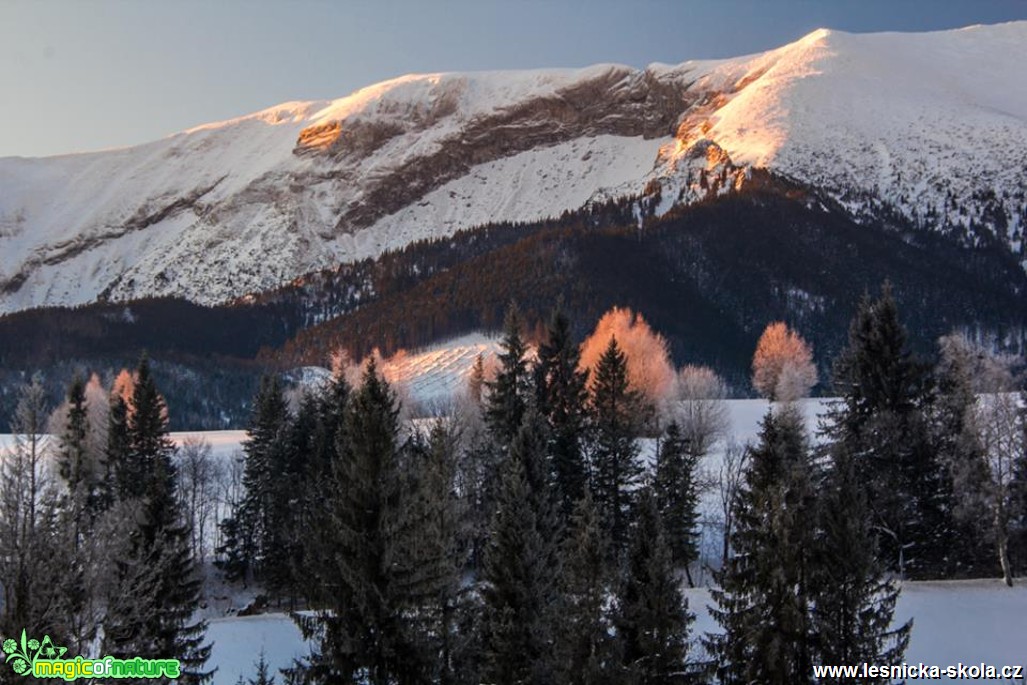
(880,122)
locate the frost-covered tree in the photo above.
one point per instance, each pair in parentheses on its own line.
(1002,424)
(782,367)
(476,380)
(701,412)
(32,570)
(646,354)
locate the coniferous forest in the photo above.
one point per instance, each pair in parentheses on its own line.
(523,535)
(708,275)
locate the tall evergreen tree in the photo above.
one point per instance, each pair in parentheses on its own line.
(561,397)
(317,484)
(72,459)
(882,422)
(652,616)
(507,398)
(79,468)
(853,603)
(358,583)
(122,473)
(615,421)
(530,446)
(677,497)
(519,588)
(586,649)
(159,575)
(254,533)
(435,550)
(763,600)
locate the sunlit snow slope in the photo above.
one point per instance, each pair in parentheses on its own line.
(934,124)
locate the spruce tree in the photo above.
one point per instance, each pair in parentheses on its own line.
(434,550)
(507,398)
(615,421)
(124,472)
(519,588)
(677,497)
(317,484)
(530,446)
(358,580)
(882,421)
(158,575)
(586,650)
(853,603)
(256,529)
(561,397)
(652,616)
(283,569)
(79,507)
(762,603)
(72,458)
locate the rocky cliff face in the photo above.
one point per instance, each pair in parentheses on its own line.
(932,127)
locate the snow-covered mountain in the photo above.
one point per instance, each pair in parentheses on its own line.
(931,125)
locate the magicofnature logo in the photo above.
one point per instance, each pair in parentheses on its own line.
(44,659)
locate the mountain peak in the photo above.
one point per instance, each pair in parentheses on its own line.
(932,125)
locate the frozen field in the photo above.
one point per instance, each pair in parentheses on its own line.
(954,622)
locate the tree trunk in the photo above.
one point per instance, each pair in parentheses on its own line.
(1003,558)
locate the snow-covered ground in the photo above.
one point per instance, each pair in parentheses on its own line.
(439,373)
(955,622)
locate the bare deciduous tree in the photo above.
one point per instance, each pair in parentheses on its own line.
(1003,432)
(701,410)
(732,474)
(199,474)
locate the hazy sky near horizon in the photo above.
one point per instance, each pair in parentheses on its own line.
(79,75)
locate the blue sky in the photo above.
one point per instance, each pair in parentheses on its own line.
(82,75)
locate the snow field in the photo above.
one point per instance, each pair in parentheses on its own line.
(955,622)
